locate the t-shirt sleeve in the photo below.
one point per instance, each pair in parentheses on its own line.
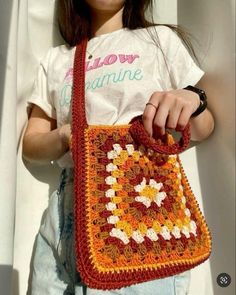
(183,70)
(40,95)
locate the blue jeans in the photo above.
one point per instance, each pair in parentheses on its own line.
(54,263)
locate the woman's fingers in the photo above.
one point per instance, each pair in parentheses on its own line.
(173,116)
(183,118)
(159,122)
(169,109)
(148,116)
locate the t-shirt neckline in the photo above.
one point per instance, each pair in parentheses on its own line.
(110,34)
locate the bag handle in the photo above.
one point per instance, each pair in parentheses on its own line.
(137,129)
(140,134)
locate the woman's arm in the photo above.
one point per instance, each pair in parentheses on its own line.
(201,126)
(42,141)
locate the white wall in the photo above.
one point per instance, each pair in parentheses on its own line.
(213,23)
(165,11)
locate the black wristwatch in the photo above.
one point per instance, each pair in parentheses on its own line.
(203,99)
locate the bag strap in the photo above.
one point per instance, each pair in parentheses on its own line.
(78,91)
(137,129)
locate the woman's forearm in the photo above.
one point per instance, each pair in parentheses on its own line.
(201,126)
(45,147)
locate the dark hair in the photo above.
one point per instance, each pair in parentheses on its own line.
(74,21)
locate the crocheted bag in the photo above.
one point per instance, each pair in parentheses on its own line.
(136,218)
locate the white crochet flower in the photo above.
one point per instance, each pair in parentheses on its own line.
(177,165)
(117,148)
(185,231)
(160,197)
(112,155)
(183,199)
(151,234)
(193,228)
(110,193)
(113,219)
(111,167)
(187,212)
(111,206)
(154,184)
(137,236)
(165,233)
(141,186)
(130,149)
(117,233)
(110,180)
(149,193)
(144,200)
(179,175)
(176,232)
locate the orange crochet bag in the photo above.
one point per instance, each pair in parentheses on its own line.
(136,218)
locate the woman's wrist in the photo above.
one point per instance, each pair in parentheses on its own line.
(202,100)
(201,126)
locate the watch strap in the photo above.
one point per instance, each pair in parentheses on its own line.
(203,99)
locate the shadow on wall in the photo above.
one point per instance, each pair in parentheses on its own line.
(218,203)
(212,22)
(6,272)
(5,20)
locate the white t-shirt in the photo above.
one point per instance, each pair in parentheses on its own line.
(125,69)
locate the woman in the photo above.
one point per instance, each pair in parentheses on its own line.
(132,68)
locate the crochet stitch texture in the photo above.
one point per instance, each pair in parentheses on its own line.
(136,218)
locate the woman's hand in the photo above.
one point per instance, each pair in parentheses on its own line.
(173,109)
(169,109)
